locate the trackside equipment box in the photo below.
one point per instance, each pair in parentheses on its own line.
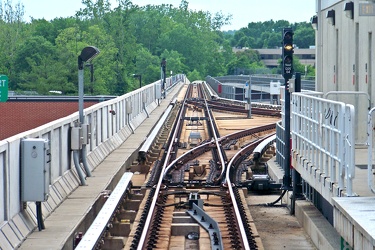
(35,169)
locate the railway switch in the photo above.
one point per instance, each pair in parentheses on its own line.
(194,198)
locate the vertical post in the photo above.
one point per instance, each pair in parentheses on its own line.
(297,82)
(287,57)
(87,54)
(296,177)
(287,177)
(80,96)
(249,97)
(82,118)
(163,66)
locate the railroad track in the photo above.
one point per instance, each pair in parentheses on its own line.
(192,196)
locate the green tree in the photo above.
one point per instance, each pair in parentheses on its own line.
(269,34)
(120,27)
(247,60)
(51,29)
(94,10)
(69,44)
(147,25)
(38,68)
(147,65)
(105,63)
(304,37)
(175,61)
(42,55)
(194,76)
(13,33)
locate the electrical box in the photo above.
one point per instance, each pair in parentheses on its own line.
(275,88)
(35,169)
(291,85)
(86,133)
(247,90)
(76,138)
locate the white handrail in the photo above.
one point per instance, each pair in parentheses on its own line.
(322,133)
(369,150)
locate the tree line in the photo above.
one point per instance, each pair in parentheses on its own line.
(41,55)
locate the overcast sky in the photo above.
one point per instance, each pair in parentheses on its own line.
(242,11)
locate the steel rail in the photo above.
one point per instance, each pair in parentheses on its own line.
(98,228)
(234,201)
(217,105)
(143,237)
(167,166)
(203,147)
(231,163)
(216,139)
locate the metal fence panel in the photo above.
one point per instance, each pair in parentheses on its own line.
(322,131)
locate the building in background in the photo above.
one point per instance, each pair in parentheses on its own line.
(345,46)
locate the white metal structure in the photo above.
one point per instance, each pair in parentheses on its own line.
(322,134)
(361,101)
(370,128)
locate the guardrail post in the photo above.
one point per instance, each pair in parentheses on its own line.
(369,150)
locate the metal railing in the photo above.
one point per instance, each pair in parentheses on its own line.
(370,129)
(259,79)
(322,133)
(280,131)
(280,145)
(111,123)
(361,101)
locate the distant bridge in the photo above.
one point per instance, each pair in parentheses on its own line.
(259,82)
(233,86)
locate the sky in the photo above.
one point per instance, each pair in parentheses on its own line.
(242,11)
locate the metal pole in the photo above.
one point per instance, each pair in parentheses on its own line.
(296,176)
(82,119)
(80,96)
(297,83)
(287,177)
(76,153)
(249,98)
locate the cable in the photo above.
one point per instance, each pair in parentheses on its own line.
(278,199)
(172,204)
(218,205)
(78,167)
(39,216)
